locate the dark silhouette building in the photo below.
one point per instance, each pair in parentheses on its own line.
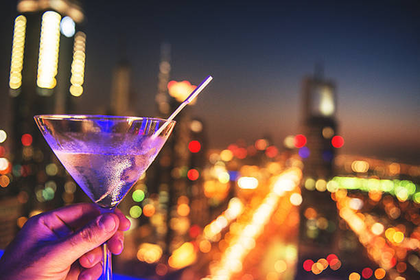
(318,212)
(46,77)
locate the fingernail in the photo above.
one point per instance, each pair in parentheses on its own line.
(90,258)
(107,223)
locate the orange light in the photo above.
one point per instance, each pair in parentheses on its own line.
(380,273)
(4,181)
(335,264)
(205,246)
(183,256)
(280,266)
(149,210)
(180,90)
(183,210)
(354,276)
(226,155)
(150,253)
(21,221)
(261,144)
(4,165)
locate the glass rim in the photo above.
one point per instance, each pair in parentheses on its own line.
(77,117)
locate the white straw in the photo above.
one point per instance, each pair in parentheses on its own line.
(183,104)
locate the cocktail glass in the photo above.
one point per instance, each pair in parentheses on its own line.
(105,155)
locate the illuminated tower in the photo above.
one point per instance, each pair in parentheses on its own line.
(46,76)
(318,213)
(319,126)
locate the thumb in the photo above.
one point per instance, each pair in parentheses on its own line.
(88,238)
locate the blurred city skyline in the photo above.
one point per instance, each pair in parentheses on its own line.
(258,55)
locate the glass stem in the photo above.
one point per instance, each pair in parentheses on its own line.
(107,263)
(107,256)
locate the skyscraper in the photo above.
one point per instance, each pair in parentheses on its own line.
(318,214)
(46,76)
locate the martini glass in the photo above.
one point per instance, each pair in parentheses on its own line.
(105,155)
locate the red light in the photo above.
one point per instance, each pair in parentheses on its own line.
(331,257)
(195,230)
(300,141)
(241,153)
(26,139)
(194,146)
(307,265)
(271,152)
(193,174)
(337,141)
(367,272)
(232,148)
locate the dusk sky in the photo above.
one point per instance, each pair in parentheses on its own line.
(258,54)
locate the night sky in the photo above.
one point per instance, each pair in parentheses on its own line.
(258,54)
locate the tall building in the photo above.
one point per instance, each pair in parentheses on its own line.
(319,125)
(46,77)
(318,213)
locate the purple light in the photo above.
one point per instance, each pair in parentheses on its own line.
(304,152)
(327,155)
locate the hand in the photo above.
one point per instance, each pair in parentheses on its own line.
(64,244)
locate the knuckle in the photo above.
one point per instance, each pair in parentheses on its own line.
(88,235)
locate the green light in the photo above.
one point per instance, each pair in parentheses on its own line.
(374,184)
(402,189)
(312,234)
(416,197)
(332,186)
(401,193)
(411,188)
(48,194)
(135,211)
(387,185)
(138,195)
(310,184)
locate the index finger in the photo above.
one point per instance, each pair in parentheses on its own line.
(67,219)
(124,222)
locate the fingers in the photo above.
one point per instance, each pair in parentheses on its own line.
(124,222)
(91,273)
(79,273)
(88,238)
(91,258)
(65,220)
(116,243)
